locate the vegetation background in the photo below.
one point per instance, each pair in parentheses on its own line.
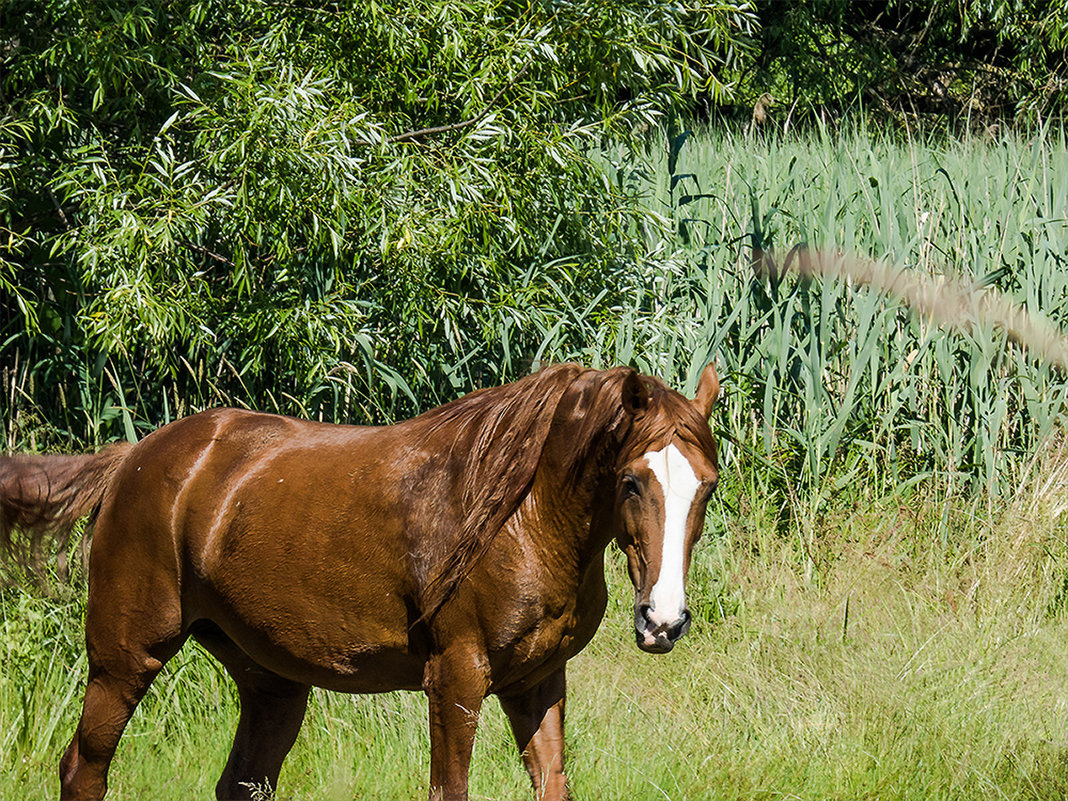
(355,212)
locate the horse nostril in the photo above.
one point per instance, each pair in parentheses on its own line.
(643,617)
(680,627)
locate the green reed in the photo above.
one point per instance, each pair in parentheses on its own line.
(826,381)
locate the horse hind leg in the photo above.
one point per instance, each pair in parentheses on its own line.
(272,711)
(121,669)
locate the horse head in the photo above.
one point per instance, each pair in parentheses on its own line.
(665,474)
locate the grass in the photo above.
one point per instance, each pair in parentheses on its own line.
(910,666)
(881,603)
(827,380)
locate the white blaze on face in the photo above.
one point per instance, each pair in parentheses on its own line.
(679,484)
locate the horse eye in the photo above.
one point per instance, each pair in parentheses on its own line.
(631,487)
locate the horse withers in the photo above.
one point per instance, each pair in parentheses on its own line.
(459,553)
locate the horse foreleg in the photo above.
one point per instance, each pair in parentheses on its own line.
(455,684)
(537,718)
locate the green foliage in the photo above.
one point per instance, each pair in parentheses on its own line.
(976,60)
(328,211)
(354,214)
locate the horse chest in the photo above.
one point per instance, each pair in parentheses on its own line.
(542,633)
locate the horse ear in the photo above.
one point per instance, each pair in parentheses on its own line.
(707,391)
(635,393)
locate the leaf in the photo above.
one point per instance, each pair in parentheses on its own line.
(675,148)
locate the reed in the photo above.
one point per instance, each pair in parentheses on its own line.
(890,353)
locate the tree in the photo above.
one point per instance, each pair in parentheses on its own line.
(341,210)
(985,60)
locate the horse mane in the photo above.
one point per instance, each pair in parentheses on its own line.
(498,439)
(668,415)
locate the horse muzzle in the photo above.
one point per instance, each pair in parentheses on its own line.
(658,638)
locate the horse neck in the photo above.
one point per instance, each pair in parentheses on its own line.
(574,500)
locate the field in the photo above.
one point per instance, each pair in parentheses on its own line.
(915,669)
(881,600)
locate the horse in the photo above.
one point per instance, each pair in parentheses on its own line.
(460,553)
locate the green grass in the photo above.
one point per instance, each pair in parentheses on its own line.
(947,679)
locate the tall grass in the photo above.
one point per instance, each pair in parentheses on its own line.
(829,382)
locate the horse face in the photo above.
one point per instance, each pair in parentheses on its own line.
(661,501)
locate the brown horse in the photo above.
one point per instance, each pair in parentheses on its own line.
(460,553)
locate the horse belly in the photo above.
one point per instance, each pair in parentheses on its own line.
(312,615)
(311,638)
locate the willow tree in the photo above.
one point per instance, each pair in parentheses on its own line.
(332,209)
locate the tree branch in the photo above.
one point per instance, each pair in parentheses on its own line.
(405,137)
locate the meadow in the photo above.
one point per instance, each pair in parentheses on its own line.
(881,599)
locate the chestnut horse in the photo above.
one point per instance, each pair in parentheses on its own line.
(460,553)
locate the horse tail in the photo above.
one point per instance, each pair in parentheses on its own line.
(42,497)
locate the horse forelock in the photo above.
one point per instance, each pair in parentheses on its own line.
(669,415)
